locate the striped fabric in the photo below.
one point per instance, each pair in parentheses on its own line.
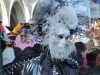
(37,38)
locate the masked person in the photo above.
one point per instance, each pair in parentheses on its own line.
(53,55)
(24,39)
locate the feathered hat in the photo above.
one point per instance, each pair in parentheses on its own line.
(56,10)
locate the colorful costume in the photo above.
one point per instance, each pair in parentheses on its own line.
(20,44)
(24,39)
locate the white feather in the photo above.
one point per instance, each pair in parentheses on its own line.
(66,15)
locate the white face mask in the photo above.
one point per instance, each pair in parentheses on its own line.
(60,36)
(57,32)
(59,45)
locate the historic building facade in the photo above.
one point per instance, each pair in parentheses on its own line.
(13,12)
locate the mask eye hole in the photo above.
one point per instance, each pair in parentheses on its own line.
(60,36)
(67,37)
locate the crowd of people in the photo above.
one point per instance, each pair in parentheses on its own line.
(45,49)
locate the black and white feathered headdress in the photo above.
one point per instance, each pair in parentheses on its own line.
(56,10)
(53,16)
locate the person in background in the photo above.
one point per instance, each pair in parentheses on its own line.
(24,39)
(96,69)
(81,53)
(97,29)
(4,37)
(93,44)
